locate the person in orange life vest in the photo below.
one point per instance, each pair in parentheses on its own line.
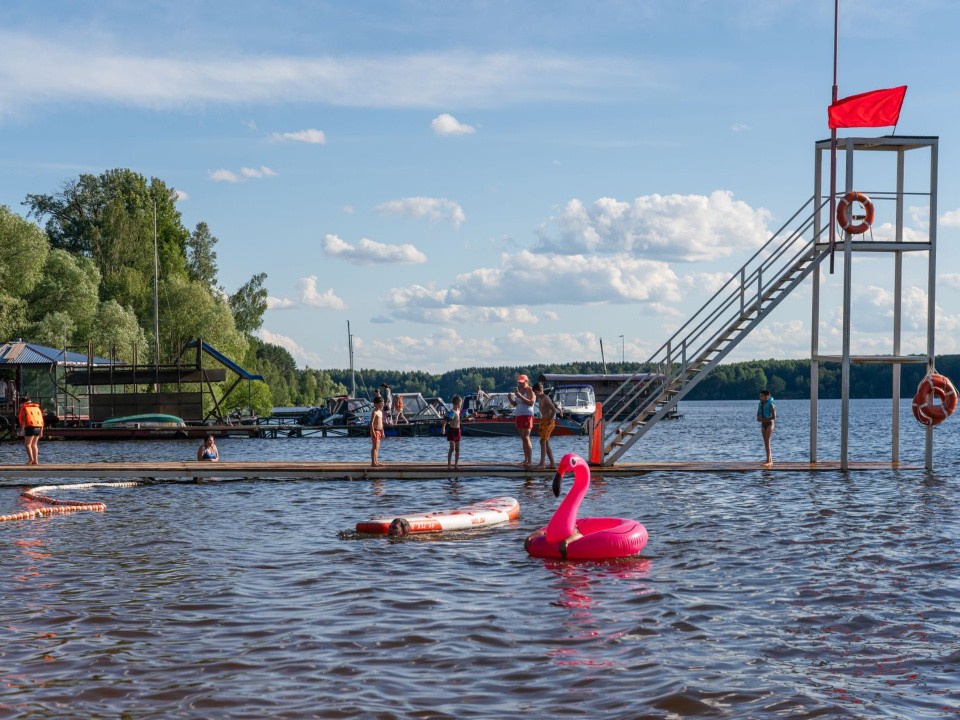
(30,418)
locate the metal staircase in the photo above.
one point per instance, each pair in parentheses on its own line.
(712,332)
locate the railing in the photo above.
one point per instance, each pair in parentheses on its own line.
(770,274)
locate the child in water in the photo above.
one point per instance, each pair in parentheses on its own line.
(376,432)
(208,451)
(451,430)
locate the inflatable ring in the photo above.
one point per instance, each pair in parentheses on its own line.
(845,218)
(926,408)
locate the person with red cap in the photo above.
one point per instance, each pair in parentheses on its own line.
(523,400)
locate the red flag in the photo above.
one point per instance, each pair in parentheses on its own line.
(877,108)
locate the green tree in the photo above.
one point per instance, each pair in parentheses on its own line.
(23,252)
(116,333)
(249,303)
(55,329)
(188,310)
(69,285)
(109,218)
(201,257)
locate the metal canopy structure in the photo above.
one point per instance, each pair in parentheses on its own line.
(861,168)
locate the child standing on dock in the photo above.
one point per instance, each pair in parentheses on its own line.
(376,432)
(451,430)
(766,415)
(548,421)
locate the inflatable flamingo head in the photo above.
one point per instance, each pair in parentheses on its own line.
(567,463)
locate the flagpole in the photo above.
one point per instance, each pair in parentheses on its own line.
(833,138)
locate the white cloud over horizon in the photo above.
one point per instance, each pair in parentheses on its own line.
(685,228)
(446,124)
(300,354)
(311,297)
(369,252)
(101,69)
(224,175)
(433,209)
(311,137)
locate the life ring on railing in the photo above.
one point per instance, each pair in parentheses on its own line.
(845,218)
(933,388)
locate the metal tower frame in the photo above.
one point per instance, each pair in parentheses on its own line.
(852,148)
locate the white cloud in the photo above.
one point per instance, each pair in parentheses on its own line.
(950,218)
(565,279)
(445,348)
(446,124)
(180,195)
(422,207)
(490,295)
(311,136)
(740,127)
(311,297)
(223,175)
(260,172)
(950,280)
(368,252)
(274,303)
(90,69)
(676,227)
(300,354)
(706,283)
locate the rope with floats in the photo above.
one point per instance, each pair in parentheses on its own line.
(53,506)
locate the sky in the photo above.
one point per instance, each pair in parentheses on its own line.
(488,183)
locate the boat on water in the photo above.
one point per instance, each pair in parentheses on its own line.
(144,421)
(500,427)
(491,414)
(575,402)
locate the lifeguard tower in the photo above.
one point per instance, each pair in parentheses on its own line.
(880,169)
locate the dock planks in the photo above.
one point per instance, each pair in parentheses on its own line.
(27,474)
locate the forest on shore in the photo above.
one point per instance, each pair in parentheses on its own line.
(785,379)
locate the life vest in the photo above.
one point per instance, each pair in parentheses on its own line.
(399,402)
(31,415)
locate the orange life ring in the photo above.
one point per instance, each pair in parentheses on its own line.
(845,218)
(934,388)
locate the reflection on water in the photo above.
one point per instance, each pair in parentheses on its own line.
(762,594)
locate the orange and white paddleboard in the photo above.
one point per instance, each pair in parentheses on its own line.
(494,511)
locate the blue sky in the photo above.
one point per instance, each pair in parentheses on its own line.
(483,183)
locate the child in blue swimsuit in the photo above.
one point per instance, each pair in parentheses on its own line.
(208,451)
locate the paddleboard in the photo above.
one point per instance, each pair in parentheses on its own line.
(482,514)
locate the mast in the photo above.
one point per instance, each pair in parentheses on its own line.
(156,291)
(353,375)
(833,136)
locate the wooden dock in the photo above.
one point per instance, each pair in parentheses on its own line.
(35,474)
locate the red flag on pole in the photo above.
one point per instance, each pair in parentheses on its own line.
(877,108)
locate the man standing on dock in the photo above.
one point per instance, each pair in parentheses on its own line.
(30,418)
(523,401)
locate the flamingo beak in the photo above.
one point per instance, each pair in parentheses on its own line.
(556,484)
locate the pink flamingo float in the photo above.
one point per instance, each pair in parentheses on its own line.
(569,538)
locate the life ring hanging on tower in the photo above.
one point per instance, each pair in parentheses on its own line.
(933,388)
(845,216)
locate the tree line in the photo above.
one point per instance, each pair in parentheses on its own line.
(785,379)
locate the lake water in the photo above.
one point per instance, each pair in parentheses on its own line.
(760,595)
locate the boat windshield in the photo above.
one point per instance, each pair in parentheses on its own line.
(574,396)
